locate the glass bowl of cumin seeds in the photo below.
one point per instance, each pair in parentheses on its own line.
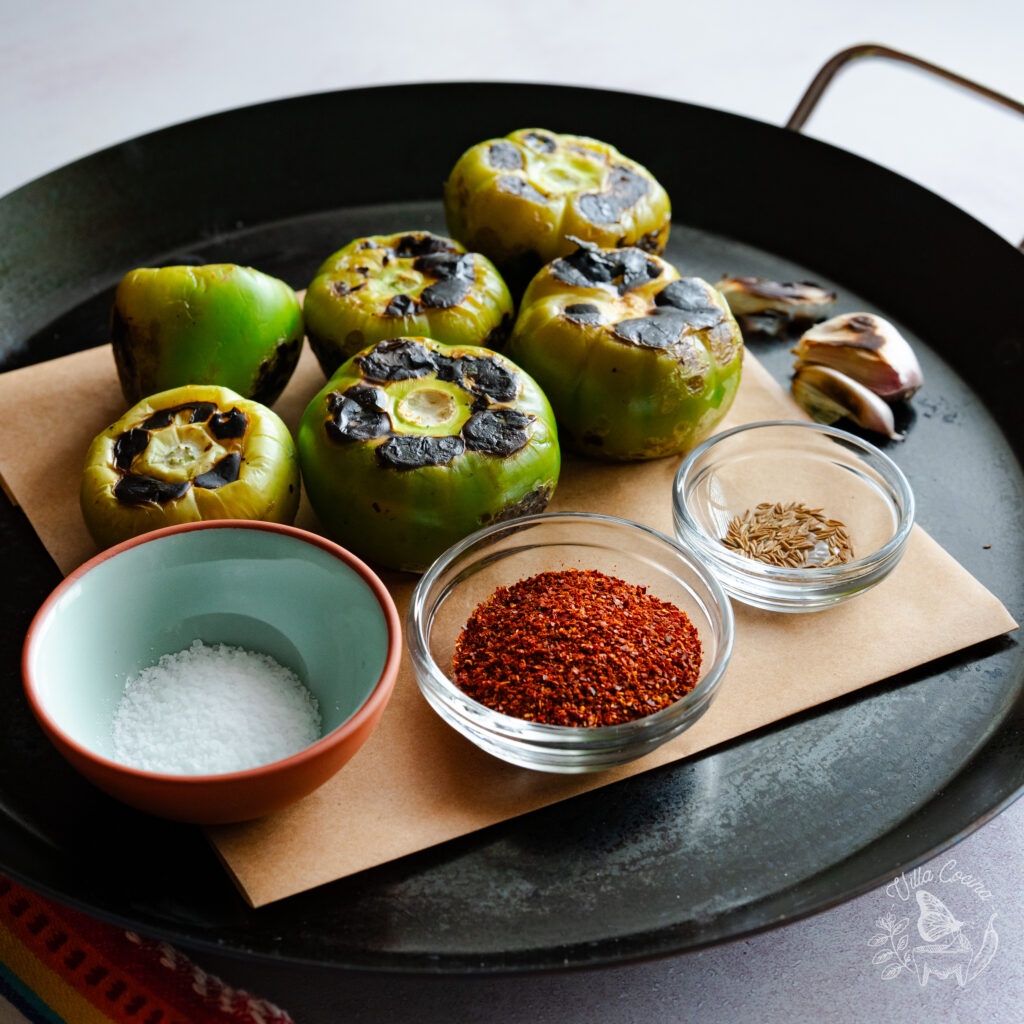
(568,642)
(793,516)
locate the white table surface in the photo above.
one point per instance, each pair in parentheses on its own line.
(76,77)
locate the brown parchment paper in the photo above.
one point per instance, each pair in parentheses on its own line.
(416,782)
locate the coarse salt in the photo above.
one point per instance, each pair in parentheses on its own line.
(213,708)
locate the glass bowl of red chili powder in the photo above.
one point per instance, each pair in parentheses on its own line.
(793,516)
(569,642)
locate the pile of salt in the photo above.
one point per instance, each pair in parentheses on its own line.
(213,709)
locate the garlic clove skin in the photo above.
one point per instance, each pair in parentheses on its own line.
(828,395)
(865,347)
(802,300)
(769,324)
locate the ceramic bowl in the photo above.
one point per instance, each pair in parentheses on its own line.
(499,555)
(286,593)
(794,461)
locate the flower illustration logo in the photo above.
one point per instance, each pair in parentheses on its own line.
(947,951)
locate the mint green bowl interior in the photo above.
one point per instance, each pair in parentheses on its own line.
(253,588)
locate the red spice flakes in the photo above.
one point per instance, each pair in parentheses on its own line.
(576,647)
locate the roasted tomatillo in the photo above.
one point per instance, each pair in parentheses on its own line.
(218,324)
(637,361)
(523,199)
(394,286)
(412,445)
(186,455)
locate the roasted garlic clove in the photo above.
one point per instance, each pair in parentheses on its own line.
(828,395)
(802,300)
(865,347)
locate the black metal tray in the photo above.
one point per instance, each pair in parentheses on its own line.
(760,831)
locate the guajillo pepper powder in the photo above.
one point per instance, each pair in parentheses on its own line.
(576,647)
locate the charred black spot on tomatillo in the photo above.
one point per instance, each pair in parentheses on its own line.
(455,273)
(651,241)
(497,431)
(131,443)
(367,243)
(584,268)
(226,426)
(120,334)
(359,414)
(223,472)
(505,156)
(401,305)
(275,371)
(412,451)
(199,412)
(499,334)
(588,267)
(343,288)
(410,246)
(687,293)
(445,294)
(625,187)
(397,359)
(530,504)
(517,186)
(701,319)
(689,299)
(539,142)
(582,313)
(659,330)
(135,489)
(444,265)
(450,369)
(486,376)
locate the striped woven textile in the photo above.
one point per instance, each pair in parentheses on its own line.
(58,966)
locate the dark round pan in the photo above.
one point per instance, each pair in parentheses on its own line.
(763,830)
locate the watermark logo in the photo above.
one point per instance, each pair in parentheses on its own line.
(950,948)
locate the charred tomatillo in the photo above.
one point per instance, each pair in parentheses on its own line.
(412,445)
(638,362)
(407,284)
(523,199)
(218,324)
(185,455)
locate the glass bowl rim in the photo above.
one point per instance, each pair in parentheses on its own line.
(716,552)
(523,730)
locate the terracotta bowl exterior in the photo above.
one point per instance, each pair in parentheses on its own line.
(298,597)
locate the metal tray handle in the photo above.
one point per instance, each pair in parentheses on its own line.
(830,68)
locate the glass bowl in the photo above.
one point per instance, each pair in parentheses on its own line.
(499,555)
(794,461)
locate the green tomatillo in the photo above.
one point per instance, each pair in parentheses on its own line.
(412,445)
(638,362)
(523,200)
(407,284)
(186,455)
(219,324)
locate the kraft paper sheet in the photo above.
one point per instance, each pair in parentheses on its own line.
(416,782)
